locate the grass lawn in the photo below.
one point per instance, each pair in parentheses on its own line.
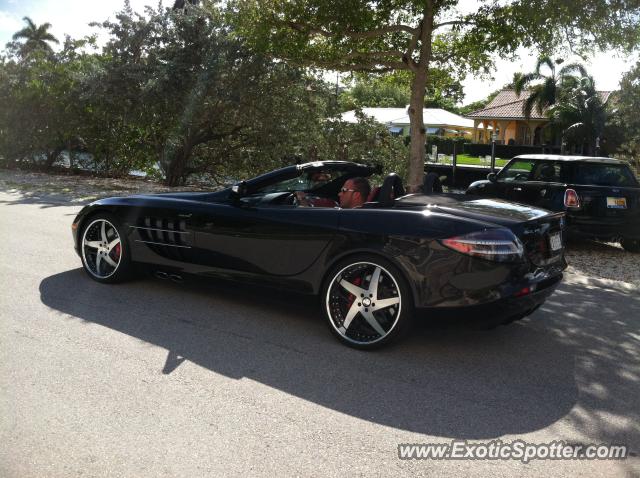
(466,159)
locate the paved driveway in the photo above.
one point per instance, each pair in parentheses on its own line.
(154,378)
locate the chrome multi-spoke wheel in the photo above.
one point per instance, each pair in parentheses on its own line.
(364,303)
(101,248)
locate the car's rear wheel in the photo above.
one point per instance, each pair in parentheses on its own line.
(630,245)
(104,249)
(367,302)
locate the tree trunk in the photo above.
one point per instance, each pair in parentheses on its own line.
(418,90)
(52,157)
(71,158)
(418,136)
(313,153)
(177,165)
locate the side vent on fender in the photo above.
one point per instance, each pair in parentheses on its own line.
(167,237)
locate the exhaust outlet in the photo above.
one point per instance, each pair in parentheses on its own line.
(175,278)
(161,275)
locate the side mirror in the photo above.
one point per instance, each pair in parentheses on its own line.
(239,190)
(492,177)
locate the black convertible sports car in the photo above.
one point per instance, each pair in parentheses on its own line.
(372,266)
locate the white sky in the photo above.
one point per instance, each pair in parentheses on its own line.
(72,17)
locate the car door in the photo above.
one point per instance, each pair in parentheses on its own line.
(546,182)
(270,240)
(512,180)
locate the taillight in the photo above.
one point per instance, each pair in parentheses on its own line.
(571,198)
(492,244)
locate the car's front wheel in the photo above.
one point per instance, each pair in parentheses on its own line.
(367,302)
(104,249)
(630,245)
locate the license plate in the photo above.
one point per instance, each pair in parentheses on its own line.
(555,241)
(617,203)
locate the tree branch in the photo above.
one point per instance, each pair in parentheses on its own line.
(373,66)
(373,54)
(408,56)
(370,69)
(454,22)
(309,30)
(204,136)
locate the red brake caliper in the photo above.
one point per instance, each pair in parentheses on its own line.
(116,252)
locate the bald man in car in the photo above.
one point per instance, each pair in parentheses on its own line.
(354,193)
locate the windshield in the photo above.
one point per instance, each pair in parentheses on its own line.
(604,175)
(516,170)
(311,180)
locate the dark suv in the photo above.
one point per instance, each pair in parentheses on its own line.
(601,196)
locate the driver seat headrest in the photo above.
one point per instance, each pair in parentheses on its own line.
(373,195)
(391,189)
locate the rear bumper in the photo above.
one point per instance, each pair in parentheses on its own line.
(444,279)
(503,310)
(594,228)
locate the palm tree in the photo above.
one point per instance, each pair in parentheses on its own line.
(581,114)
(544,90)
(37,38)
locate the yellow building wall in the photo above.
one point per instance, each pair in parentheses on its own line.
(510,132)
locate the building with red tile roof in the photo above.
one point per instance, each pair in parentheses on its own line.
(505,114)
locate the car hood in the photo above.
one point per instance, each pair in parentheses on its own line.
(488,210)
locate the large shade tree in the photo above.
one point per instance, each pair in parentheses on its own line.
(172,88)
(443,90)
(184,87)
(178,86)
(41,107)
(414,36)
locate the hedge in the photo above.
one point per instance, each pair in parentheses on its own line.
(507,151)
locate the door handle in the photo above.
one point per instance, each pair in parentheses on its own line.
(517,189)
(185,216)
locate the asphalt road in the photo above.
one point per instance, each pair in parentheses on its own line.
(153,378)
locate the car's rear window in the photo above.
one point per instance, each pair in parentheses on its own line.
(601,174)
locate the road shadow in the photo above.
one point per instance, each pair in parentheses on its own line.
(44,200)
(442,381)
(45,190)
(52,190)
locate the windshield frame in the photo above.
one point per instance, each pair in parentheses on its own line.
(500,176)
(328,189)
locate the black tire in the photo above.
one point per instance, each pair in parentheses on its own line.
(340,306)
(100,270)
(631,245)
